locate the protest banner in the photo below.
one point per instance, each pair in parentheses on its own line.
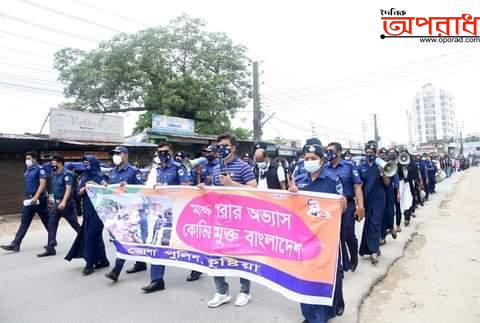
(285,241)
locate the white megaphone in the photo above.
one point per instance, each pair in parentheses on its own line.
(189,164)
(389,168)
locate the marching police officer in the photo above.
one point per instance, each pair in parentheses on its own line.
(318,180)
(124,173)
(374,183)
(63,204)
(352,188)
(169,172)
(35,182)
(204,173)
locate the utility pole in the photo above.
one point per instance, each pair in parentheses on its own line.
(461,145)
(375,125)
(257,114)
(314,131)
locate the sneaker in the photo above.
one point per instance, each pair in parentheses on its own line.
(219,300)
(243,299)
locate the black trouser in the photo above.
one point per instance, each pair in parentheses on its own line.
(54,217)
(28,212)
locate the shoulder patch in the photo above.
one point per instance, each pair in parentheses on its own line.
(181,172)
(42,171)
(138,176)
(355,172)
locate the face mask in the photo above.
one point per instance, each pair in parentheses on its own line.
(392,157)
(210,158)
(28,162)
(164,156)
(371,158)
(224,152)
(312,166)
(348,157)
(178,159)
(262,165)
(156,160)
(331,156)
(424,158)
(55,167)
(117,160)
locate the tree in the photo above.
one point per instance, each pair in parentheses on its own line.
(178,70)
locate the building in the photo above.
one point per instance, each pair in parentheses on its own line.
(12,160)
(433,115)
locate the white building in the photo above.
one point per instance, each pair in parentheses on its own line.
(433,115)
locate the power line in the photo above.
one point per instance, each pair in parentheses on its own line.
(32,39)
(64,14)
(27,87)
(25,53)
(47,28)
(7,63)
(88,5)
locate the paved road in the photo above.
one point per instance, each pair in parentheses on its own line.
(50,290)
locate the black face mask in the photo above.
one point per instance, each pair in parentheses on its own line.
(210,157)
(164,156)
(55,167)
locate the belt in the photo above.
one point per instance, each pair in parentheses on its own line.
(350,199)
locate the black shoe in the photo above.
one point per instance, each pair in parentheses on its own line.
(112,276)
(154,286)
(87,271)
(11,247)
(194,275)
(394,234)
(139,266)
(353,264)
(340,310)
(54,244)
(47,253)
(101,264)
(407,223)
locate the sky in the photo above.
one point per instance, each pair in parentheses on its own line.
(324,69)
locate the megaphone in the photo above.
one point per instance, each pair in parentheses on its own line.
(389,168)
(404,159)
(189,164)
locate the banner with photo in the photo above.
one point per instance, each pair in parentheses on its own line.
(285,241)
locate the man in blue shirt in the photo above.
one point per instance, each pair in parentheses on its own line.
(63,204)
(352,190)
(204,173)
(318,179)
(124,173)
(169,172)
(231,171)
(36,199)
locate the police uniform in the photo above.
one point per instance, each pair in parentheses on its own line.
(349,176)
(129,175)
(32,177)
(60,181)
(390,201)
(326,182)
(172,173)
(374,197)
(205,172)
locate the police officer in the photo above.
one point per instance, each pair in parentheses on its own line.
(390,198)
(374,183)
(204,173)
(35,178)
(169,172)
(124,173)
(352,189)
(318,180)
(424,165)
(63,204)
(89,243)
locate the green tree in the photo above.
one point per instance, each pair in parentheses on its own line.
(179,70)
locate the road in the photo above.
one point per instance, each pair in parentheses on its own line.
(50,290)
(438,279)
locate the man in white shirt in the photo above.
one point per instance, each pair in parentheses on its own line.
(268,175)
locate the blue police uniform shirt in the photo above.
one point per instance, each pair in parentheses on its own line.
(299,169)
(129,174)
(348,174)
(173,173)
(60,182)
(239,171)
(206,170)
(325,183)
(32,177)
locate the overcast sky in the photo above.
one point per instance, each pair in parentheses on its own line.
(321,62)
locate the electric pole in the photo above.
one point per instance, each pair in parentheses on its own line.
(377,137)
(257,114)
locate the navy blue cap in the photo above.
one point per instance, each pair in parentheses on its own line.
(212,148)
(120,149)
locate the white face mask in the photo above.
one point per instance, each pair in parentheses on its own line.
(262,165)
(312,166)
(117,160)
(28,162)
(157,160)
